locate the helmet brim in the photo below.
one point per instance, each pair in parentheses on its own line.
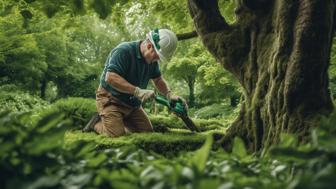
(162,58)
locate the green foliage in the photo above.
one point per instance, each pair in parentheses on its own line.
(217,83)
(78,110)
(202,154)
(239,149)
(223,111)
(15,100)
(314,163)
(332,69)
(102,7)
(175,122)
(35,156)
(185,69)
(29,151)
(227,8)
(19,53)
(69,51)
(170,143)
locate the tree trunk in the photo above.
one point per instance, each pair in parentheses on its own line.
(279,51)
(191,83)
(43,88)
(233,101)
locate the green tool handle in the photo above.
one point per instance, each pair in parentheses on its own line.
(176,107)
(162,100)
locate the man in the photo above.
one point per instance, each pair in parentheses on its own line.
(124,80)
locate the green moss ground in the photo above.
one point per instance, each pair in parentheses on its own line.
(170,135)
(173,141)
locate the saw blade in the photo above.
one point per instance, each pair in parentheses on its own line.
(189,123)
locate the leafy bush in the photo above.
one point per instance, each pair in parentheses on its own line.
(29,151)
(216,111)
(11,98)
(78,110)
(34,156)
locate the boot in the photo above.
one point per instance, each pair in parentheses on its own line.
(90,126)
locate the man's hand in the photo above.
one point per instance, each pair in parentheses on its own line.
(175,98)
(143,94)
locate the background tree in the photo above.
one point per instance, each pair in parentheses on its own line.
(21,61)
(218,84)
(185,69)
(279,51)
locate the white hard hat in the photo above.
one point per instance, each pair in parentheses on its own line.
(164,42)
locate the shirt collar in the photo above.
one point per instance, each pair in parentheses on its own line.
(138,52)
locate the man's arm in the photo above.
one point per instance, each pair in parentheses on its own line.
(161,84)
(119,83)
(163,88)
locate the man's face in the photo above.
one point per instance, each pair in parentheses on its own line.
(151,55)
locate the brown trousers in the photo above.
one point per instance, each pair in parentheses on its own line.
(118,118)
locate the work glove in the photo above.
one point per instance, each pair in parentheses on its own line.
(143,94)
(173,98)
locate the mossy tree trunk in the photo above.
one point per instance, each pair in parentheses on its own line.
(279,51)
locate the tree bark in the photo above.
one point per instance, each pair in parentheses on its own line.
(279,51)
(185,36)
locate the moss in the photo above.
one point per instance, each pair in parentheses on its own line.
(172,142)
(175,122)
(80,110)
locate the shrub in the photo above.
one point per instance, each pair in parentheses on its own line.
(216,111)
(34,156)
(12,99)
(78,110)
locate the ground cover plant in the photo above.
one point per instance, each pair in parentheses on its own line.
(259,77)
(46,155)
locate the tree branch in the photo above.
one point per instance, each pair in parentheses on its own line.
(206,16)
(185,36)
(218,36)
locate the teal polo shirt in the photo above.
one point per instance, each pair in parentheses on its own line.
(126,60)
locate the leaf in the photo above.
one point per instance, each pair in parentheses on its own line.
(292,154)
(187,173)
(201,155)
(288,140)
(239,149)
(95,162)
(45,182)
(49,121)
(78,181)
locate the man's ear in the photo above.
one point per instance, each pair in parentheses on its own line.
(149,46)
